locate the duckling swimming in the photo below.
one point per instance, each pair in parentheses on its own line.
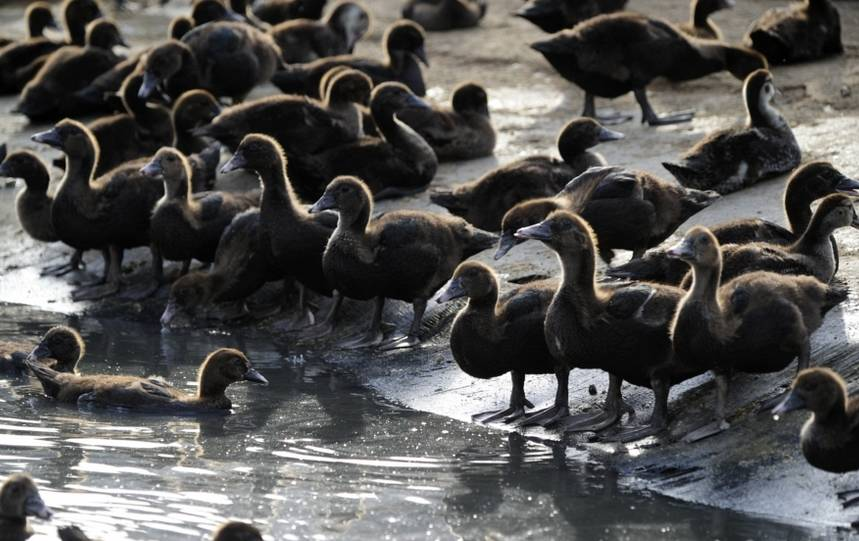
(732,159)
(445,14)
(221,368)
(19,499)
(555,15)
(700,25)
(800,32)
(462,132)
(306,40)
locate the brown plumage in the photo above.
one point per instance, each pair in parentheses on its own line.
(17,55)
(800,32)
(19,499)
(277,11)
(439,15)
(306,40)
(193,109)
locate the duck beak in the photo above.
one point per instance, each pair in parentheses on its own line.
(538,231)
(606,135)
(236,162)
(451,290)
(152,169)
(50,138)
(505,244)
(421,54)
(792,402)
(148,86)
(41,351)
(255,377)
(847,185)
(326,202)
(416,102)
(681,250)
(35,507)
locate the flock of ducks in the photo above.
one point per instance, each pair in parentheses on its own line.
(742,297)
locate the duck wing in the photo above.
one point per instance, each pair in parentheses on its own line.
(752,230)
(650,305)
(132,393)
(743,259)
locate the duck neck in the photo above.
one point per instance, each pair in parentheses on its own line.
(705,284)
(797,208)
(210,387)
(761,113)
(37,182)
(815,235)
(699,15)
(353,222)
(481,312)
(178,190)
(80,169)
(835,415)
(577,281)
(403,137)
(407,71)
(35,29)
(277,190)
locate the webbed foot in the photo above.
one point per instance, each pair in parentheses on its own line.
(546,417)
(669,119)
(399,342)
(371,338)
(506,416)
(93,293)
(706,431)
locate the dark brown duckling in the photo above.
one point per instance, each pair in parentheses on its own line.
(800,32)
(405,255)
(61,349)
(756,323)
(77,14)
(623,330)
(300,125)
(492,336)
(306,40)
(19,54)
(111,211)
(612,55)
(236,531)
(297,239)
(440,15)
(37,18)
(220,369)
(404,44)
(193,109)
(807,184)
(185,227)
(483,202)
(207,11)
(277,11)
(699,25)
(179,26)
(462,132)
(555,15)
(51,93)
(19,499)
(629,210)
(731,159)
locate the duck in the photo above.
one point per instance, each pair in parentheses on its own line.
(185,226)
(179,26)
(800,32)
(492,336)
(18,54)
(19,499)
(732,159)
(50,94)
(220,368)
(37,18)
(699,25)
(299,124)
(77,15)
(61,348)
(437,16)
(398,163)
(629,210)
(277,11)
(404,44)
(808,183)
(306,40)
(194,109)
(226,58)
(207,11)
(828,440)
(484,201)
(403,254)
(243,264)
(555,15)
(111,211)
(756,323)
(606,56)
(296,238)
(462,132)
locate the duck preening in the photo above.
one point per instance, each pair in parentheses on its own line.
(20,499)
(700,25)
(756,323)
(555,15)
(492,336)
(731,159)
(611,55)
(439,15)
(220,369)
(484,201)
(801,32)
(403,254)
(306,40)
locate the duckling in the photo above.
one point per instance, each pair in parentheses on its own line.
(236,531)
(277,11)
(445,14)
(483,202)
(807,184)
(404,44)
(185,227)
(193,109)
(629,210)
(756,323)
(622,330)
(492,336)
(61,349)
(306,40)
(731,159)
(179,26)
(19,54)
(111,211)
(226,58)
(461,133)
(19,499)
(207,11)
(700,25)
(37,17)
(611,55)
(399,163)
(221,368)
(77,15)
(296,239)
(797,33)
(555,15)
(300,125)
(405,255)
(50,94)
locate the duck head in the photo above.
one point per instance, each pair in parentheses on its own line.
(236,531)
(63,344)
(39,17)
(161,63)
(256,152)
(835,211)
(347,86)
(351,20)
(26,165)
(522,215)
(389,98)
(193,109)
(19,499)
(349,196)
(758,93)
(188,295)
(471,279)
(207,11)
(820,390)
(580,134)
(818,179)
(694,201)
(405,38)
(77,14)
(470,98)
(222,368)
(564,232)
(173,168)
(179,26)
(69,136)
(698,247)
(104,35)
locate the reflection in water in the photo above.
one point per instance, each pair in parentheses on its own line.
(313,455)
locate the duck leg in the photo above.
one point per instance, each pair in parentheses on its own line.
(609,119)
(75,262)
(720,424)
(112,284)
(326,326)
(373,336)
(304,318)
(658,418)
(412,339)
(147,290)
(560,409)
(518,403)
(649,116)
(613,410)
(803,361)
(105,257)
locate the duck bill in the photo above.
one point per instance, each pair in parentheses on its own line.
(235,163)
(682,250)
(152,169)
(505,244)
(326,202)
(41,351)
(255,377)
(538,231)
(174,317)
(451,290)
(35,507)
(609,135)
(50,138)
(148,86)
(792,402)
(417,103)
(421,54)
(847,185)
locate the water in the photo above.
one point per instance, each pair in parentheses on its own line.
(312,456)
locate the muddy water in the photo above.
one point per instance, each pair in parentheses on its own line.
(312,456)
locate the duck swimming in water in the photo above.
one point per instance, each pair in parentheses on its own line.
(306,40)
(732,159)
(19,499)
(61,348)
(802,32)
(440,15)
(555,15)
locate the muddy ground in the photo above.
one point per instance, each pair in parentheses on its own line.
(756,466)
